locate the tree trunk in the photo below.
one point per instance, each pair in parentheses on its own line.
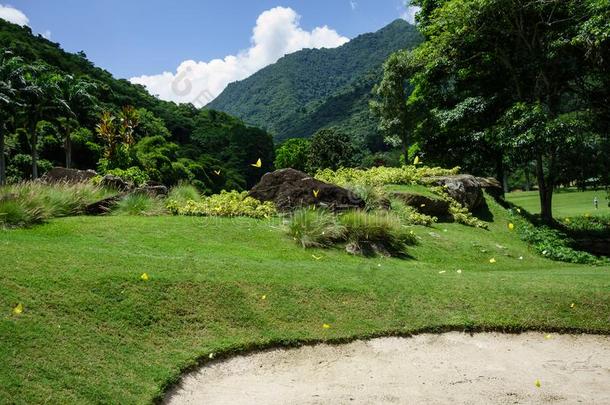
(545,188)
(2,161)
(501,174)
(528,182)
(68,147)
(34,146)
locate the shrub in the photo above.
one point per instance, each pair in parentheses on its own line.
(293,153)
(29,203)
(587,226)
(313,227)
(134,174)
(376,232)
(458,212)
(140,204)
(409,215)
(225,204)
(182,193)
(380,176)
(330,148)
(551,243)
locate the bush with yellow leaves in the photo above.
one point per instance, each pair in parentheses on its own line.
(225,204)
(409,215)
(379,176)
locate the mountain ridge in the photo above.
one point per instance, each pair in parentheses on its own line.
(288,97)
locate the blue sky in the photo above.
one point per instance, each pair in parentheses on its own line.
(136,38)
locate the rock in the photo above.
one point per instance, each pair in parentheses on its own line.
(492,186)
(115,182)
(103,206)
(290,189)
(431,206)
(463,188)
(61,174)
(153,189)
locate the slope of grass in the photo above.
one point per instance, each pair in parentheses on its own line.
(93,332)
(566,203)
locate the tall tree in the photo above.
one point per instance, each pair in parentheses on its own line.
(396,116)
(42,100)
(10,80)
(76,101)
(509,70)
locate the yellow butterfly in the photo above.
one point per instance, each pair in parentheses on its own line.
(511,226)
(144,277)
(18,309)
(492,260)
(316,193)
(547,337)
(326,326)
(416,161)
(519,210)
(264,297)
(258,164)
(537,383)
(217,172)
(572,305)
(317,257)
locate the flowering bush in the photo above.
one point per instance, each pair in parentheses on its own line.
(225,204)
(379,176)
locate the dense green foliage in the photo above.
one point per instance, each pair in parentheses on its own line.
(319,88)
(508,84)
(293,153)
(65,111)
(330,148)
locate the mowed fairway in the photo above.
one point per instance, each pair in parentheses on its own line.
(566,203)
(93,332)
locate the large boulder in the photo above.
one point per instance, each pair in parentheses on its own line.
(290,189)
(115,182)
(423,204)
(103,206)
(463,188)
(63,175)
(492,186)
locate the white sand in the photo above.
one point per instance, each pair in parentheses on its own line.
(487,368)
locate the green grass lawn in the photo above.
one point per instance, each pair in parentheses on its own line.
(566,203)
(94,332)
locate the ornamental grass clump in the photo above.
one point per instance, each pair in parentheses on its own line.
(182,193)
(225,204)
(140,204)
(30,203)
(312,227)
(379,232)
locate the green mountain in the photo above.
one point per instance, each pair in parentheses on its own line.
(317,88)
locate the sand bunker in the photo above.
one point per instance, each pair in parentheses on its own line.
(432,369)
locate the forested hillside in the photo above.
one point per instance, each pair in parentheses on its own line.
(69,95)
(317,88)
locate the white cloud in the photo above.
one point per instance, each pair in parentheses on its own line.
(409,12)
(13,15)
(46,34)
(353,4)
(277,33)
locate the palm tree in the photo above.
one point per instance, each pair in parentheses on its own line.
(41,97)
(76,98)
(10,80)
